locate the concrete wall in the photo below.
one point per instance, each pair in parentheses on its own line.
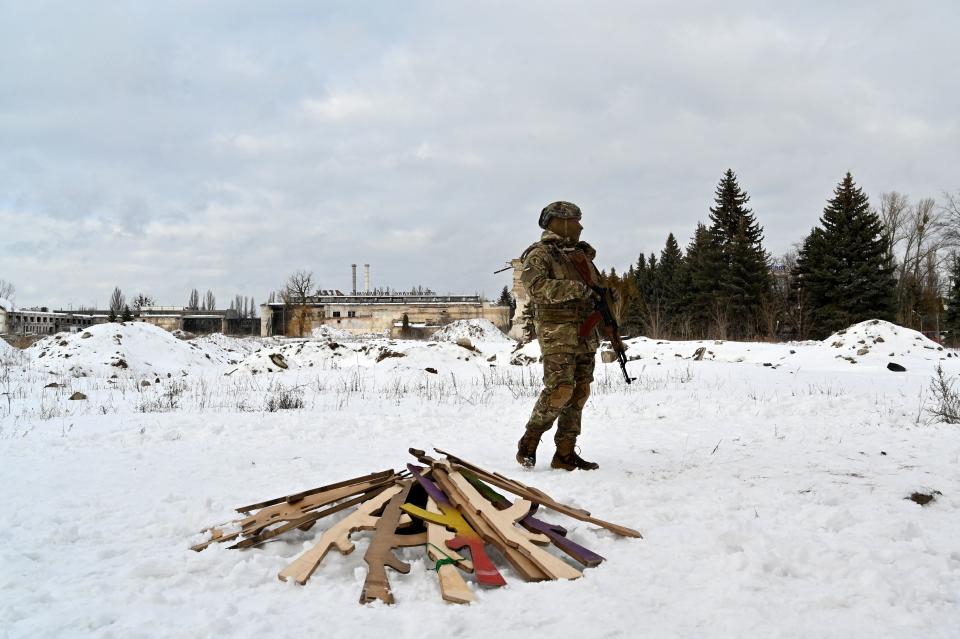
(519,292)
(373,318)
(166,322)
(203,323)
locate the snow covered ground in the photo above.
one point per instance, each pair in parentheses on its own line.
(770,482)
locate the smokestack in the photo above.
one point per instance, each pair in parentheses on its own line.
(366,278)
(354,267)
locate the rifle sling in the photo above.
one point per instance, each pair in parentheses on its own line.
(590,323)
(579,263)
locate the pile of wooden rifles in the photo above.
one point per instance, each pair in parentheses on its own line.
(447,505)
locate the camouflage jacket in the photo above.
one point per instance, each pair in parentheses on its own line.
(558,300)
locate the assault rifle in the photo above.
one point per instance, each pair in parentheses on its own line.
(603,302)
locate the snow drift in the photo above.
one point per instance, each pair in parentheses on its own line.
(476,330)
(5,349)
(131,349)
(878,338)
(382,353)
(327,332)
(774,500)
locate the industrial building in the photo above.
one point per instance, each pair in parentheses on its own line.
(42,321)
(179,318)
(409,314)
(365,312)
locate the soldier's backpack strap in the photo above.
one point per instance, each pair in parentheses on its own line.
(526,252)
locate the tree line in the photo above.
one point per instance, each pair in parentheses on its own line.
(121,310)
(899,263)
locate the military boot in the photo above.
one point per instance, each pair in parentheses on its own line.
(527,450)
(566,457)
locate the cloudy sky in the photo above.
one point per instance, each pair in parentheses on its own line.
(223,145)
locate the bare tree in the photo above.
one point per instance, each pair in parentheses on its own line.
(193,303)
(951,213)
(720,319)
(894,209)
(926,232)
(295,294)
(117,302)
(210,301)
(7,290)
(299,286)
(786,296)
(655,321)
(929,233)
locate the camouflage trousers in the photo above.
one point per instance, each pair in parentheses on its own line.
(566,387)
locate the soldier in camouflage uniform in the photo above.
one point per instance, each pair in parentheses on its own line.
(560,302)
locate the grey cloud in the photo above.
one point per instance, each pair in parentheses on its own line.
(223,145)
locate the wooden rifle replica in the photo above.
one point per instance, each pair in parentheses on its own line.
(446,506)
(602,313)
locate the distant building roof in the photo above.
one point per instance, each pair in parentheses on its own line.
(395,298)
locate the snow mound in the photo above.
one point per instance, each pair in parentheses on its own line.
(326,332)
(5,349)
(526,354)
(6,305)
(476,330)
(224,348)
(880,339)
(277,358)
(655,352)
(131,349)
(379,354)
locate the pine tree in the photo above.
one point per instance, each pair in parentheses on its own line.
(631,303)
(505,297)
(636,309)
(844,267)
(698,283)
(668,279)
(652,296)
(952,318)
(740,262)
(127,315)
(142,300)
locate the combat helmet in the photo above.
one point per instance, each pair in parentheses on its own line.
(562,210)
